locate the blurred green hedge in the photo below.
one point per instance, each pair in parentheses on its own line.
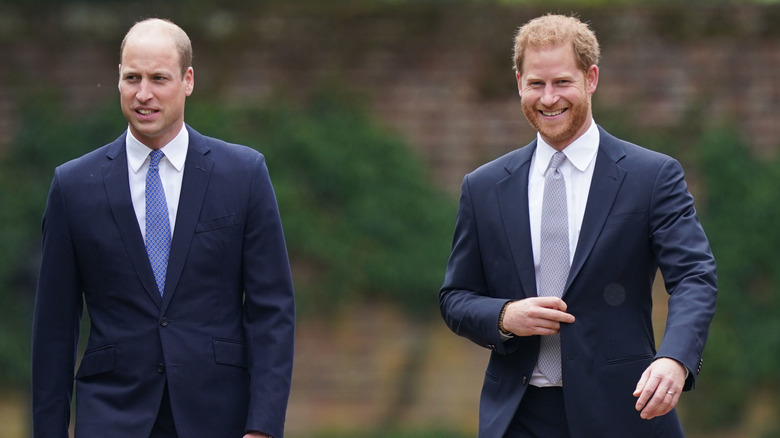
(361,218)
(738,203)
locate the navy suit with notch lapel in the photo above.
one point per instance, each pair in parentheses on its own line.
(220,337)
(639,217)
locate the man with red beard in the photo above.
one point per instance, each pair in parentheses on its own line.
(554,254)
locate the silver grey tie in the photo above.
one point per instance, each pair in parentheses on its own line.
(553,259)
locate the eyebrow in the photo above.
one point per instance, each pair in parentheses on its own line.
(133,71)
(569,77)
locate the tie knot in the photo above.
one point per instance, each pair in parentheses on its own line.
(557,159)
(156,156)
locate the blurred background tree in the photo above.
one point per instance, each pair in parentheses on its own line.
(45,139)
(740,206)
(361,217)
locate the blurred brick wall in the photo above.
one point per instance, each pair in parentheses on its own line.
(439,76)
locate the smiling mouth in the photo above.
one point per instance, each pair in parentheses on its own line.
(552,113)
(145,112)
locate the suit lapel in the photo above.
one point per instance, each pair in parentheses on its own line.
(197,170)
(607,179)
(513,205)
(117,185)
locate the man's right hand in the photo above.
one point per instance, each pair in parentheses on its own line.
(536,316)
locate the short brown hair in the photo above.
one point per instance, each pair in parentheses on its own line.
(552,30)
(180,38)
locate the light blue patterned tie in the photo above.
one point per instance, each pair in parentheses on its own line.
(553,259)
(158,226)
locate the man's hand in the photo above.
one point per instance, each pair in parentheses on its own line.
(536,316)
(254,434)
(659,387)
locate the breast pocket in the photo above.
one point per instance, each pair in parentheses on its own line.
(630,218)
(216,223)
(216,250)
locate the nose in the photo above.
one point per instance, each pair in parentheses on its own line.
(549,96)
(144,92)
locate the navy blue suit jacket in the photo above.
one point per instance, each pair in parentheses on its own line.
(221,335)
(639,217)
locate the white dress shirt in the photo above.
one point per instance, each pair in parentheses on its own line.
(577,172)
(171,174)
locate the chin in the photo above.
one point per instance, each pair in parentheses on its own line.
(555,134)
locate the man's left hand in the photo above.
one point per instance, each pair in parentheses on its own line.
(659,388)
(256,435)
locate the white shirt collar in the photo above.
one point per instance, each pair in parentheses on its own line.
(580,152)
(175,151)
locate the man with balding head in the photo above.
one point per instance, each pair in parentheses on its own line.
(173,242)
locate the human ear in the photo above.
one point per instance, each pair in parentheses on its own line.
(592,78)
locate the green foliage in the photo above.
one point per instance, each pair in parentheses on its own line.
(740,212)
(47,136)
(738,203)
(361,219)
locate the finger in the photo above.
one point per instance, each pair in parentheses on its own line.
(641,384)
(548,328)
(645,389)
(557,304)
(654,405)
(568,318)
(662,402)
(545,332)
(551,303)
(555,316)
(542,326)
(674,398)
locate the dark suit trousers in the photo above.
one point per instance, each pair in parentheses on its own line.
(541,415)
(164,426)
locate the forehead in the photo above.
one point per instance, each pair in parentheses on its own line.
(558,59)
(150,49)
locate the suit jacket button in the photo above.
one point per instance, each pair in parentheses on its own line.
(164,322)
(160,368)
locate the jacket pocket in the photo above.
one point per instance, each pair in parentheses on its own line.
(97,361)
(227,352)
(632,358)
(216,223)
